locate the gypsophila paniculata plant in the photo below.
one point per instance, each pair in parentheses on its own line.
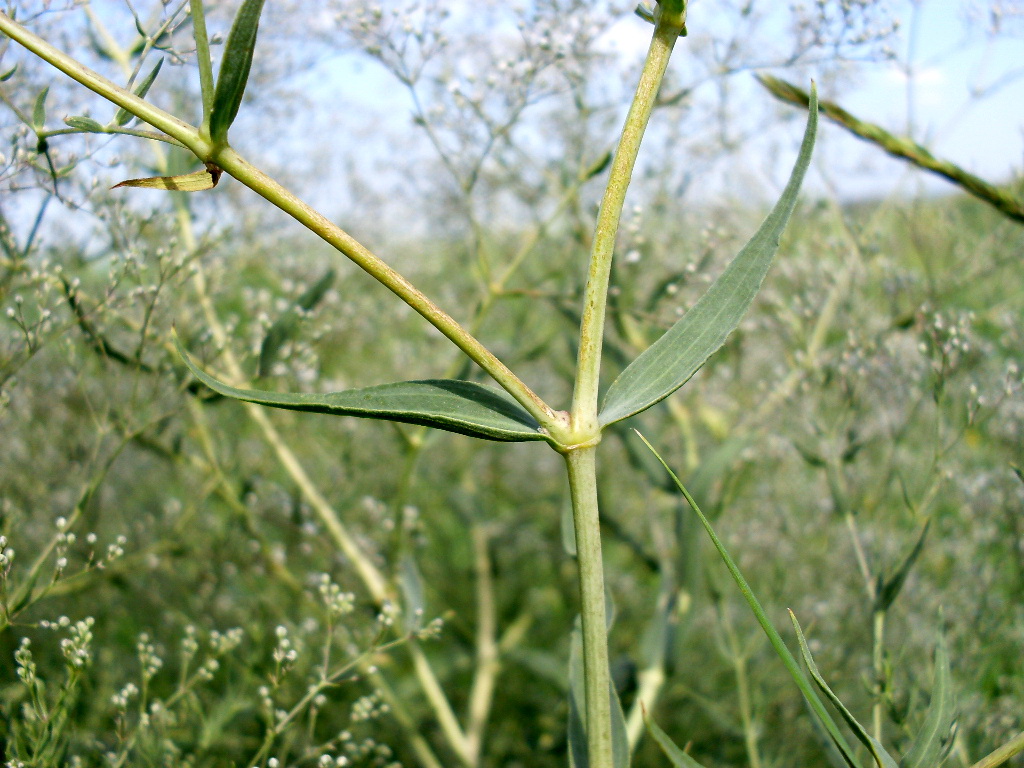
(348,661)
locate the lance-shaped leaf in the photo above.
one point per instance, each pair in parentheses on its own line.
(234,69)
(123,116)
(84,123)
(39,109)
(933,740)
(670,361)
(882,758)
(889,588)
(455,406)
(188,182)
(676,756)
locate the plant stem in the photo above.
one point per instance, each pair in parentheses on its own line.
(231,162)
(1013,747)
(582,467)
(584,407)
(878,662)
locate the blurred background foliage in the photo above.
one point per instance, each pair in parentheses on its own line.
(858,443)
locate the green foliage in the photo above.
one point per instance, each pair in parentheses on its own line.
(234,69)
(671,360)
(456,406)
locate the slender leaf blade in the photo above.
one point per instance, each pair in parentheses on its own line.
(234,69)
(882,758)
(123,116)
(39,109)
(774,637)
(931,741)
(84,123)
(676,756)
(463,407)
(670,361)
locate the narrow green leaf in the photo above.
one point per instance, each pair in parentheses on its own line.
(8,74)
(463,407)
(123,116)
(285,326)
(676,756)
(932,740)
(188,182)
(83,123)
(39,110)
(414,602)
(889,588)
(234,69)
(882,758)
(774,638)
(670,361)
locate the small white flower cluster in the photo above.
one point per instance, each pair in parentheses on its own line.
(328,761)
(368,751)
(123,698)
(285,653)
(389,612)
(338,603)
(148,659)
(432,630)
(25,663)
(369,707)
(6,558)
(77,647)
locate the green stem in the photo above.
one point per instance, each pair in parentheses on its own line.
(582,467)
(203,56)
(878,662)
(1013,747)
(584,407)
(231,162)
(164,121)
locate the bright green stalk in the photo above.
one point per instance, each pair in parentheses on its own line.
(581,460)
(1013,747)
(584,407)
(582,467)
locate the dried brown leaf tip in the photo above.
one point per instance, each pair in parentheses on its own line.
(188,182)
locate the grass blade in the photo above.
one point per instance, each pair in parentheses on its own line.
(670,361)
(463,407)
(882,758)
(234,69)
(774,638)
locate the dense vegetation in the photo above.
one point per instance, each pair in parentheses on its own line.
(186,580)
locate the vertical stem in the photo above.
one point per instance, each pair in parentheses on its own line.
(878,662)
(582,467)
(584,408)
